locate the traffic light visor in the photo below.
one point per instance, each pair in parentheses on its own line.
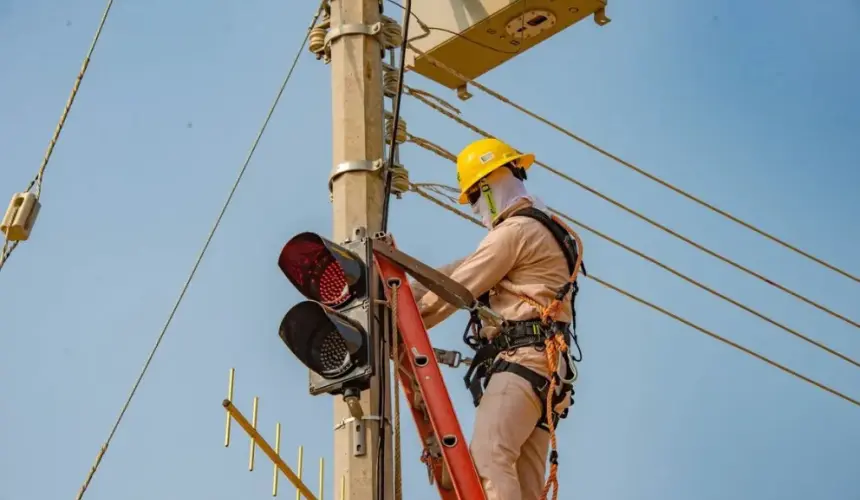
(321,270)
(325,341)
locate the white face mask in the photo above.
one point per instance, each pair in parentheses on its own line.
(500,190)
(486,208)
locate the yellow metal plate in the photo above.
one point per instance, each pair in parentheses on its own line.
(501,36)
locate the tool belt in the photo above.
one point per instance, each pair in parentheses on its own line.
(513,336)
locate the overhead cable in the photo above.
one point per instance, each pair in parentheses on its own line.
(197,262)
(424,194)
(398,96)
(36,183)
(442,190)
(709,206)
(422,97)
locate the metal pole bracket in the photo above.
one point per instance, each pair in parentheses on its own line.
(359,436)
(374,30)
(354,166)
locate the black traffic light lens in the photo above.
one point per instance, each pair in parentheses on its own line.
(321,270)
(326,342)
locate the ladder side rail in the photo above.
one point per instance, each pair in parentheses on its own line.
(421,416)
(443,418)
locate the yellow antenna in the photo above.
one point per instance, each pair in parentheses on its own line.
(275,466)
(229,398)
(300,467)
(253,441)
(322,476)
(257,440)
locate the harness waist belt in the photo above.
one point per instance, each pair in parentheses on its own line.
(518,334)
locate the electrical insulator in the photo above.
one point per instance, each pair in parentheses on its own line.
(20,216)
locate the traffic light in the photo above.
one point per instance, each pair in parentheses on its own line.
(331,332)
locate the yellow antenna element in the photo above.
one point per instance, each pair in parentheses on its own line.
(300,467)
(275,466)
(230,398)
(250,428)
(343,487)
(254,426)
(322,477)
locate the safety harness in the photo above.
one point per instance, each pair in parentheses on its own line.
(544,333)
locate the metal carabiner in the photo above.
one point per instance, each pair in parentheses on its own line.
(574,374)
(451,358)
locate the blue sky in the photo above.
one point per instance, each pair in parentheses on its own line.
(752,106)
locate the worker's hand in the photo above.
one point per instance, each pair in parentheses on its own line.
(418,290)
(489,332)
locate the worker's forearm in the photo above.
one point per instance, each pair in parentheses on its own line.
(419,290)
(478,272)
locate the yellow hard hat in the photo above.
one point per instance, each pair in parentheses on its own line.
(479,159)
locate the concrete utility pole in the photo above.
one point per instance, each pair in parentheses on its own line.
(357,141)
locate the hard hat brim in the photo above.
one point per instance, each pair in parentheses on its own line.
(524,161)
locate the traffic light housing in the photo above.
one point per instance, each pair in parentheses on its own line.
(331,332)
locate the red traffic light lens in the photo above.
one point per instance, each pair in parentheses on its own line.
(323,340)
(321,270)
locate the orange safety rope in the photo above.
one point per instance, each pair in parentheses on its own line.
(555,345)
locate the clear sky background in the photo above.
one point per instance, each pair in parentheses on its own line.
(753,106)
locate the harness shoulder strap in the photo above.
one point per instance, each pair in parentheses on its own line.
(559,234)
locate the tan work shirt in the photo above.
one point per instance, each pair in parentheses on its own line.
(521,255)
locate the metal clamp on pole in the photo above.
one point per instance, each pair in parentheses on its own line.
(336,32)
(359,432)
(354,166)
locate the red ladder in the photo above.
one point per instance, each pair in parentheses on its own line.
(428,397)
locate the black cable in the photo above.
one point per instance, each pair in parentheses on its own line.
(389,174)
(381,366)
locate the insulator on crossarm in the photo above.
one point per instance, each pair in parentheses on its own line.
(399,180)
(316,41)
(390,77)
(392,33)
(401,128)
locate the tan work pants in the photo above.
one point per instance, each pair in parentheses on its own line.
(509,451)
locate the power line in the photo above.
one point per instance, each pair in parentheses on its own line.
(36,183)
(6,252)
(422,97)
(398,96)
(760,357)
(197,262)
(633,167)
(438,188)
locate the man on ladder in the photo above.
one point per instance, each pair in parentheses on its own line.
(525,270)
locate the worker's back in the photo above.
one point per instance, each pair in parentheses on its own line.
(539,271)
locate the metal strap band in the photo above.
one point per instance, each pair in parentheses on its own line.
(353,166)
